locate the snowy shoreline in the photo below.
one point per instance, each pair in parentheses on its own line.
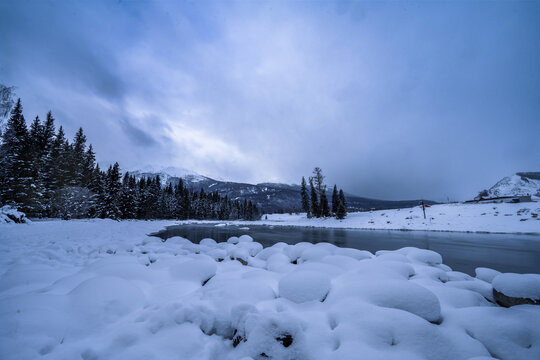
(500,218)
(102,289)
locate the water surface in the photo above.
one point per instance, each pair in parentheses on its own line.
(461,251)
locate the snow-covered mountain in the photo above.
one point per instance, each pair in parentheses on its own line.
(521,183)
(270,197)
(168,174)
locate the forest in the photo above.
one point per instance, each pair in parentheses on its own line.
(45,175)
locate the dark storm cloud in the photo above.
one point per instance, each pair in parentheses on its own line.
(391,99)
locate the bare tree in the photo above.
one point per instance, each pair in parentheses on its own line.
(318,180)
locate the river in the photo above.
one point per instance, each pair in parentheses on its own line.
(461,251)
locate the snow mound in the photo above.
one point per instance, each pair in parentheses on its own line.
(303,286)
(486,274)
(525,286)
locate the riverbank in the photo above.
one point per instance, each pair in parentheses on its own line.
(520,218)
(102,289)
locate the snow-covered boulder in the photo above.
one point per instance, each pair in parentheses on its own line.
(514,289)
(302,286)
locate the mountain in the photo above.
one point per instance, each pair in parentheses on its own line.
(270,197)
(521,183)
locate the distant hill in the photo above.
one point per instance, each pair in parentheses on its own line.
(521,183)
(270,197)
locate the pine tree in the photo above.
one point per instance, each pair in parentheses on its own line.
(335,200)
(342,206)
(314,200)
(305,198)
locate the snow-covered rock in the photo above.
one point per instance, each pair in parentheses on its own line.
(303,286)
(513,289)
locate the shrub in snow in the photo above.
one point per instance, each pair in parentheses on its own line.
(267,335)
(302,286)
(9,214)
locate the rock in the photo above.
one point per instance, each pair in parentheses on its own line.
(516,289)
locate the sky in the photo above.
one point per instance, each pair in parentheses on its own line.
(393,100)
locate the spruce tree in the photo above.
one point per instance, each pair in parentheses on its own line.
(97,197)
(78,158)
(47,168)
(15,161)
(127,199)
(36,205)
(58,159)
(315,209)
(112,192)
(88,165)
(325,209)
(335,200)
(305,198)
(342,206)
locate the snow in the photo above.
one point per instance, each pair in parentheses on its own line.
(10,215)
(166,173)
(101,289)
(302,286)
(486,274)
(526,286)
(490,218)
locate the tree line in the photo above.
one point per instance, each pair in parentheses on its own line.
(45,175)
(315,204)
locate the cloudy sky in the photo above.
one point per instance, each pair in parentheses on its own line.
(394,100)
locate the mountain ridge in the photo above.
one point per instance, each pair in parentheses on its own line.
(270,197)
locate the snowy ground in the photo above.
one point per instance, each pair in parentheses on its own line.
(496,218)
(103,290)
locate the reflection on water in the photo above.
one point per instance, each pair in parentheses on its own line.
(461,251)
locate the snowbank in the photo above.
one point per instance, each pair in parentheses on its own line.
(104,290)
(491,218)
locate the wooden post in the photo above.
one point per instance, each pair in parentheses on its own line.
(424,209)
